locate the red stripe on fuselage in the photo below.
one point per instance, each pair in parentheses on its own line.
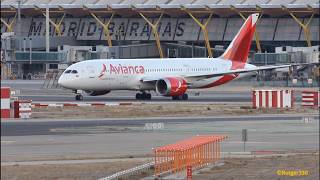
(224,79)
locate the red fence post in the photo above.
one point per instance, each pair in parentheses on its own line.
(189,172)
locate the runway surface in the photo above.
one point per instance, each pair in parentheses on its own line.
(130,96)
(44,127)
(109,138)
(32,90)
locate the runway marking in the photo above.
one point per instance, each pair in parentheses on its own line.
(220,118)
(251,142)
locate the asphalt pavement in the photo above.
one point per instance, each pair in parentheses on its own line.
(45,126)
(33,90)
(25,140)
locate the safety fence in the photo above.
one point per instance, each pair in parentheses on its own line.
(51,79)
(284,83)
(5,102)
(310,98)
(271,98)
(22,109)
(196,152)
(11,107)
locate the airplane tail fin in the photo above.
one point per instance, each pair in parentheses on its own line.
(239,47)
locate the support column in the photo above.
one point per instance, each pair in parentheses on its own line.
(20,71)
(155,32)
(9,24)
(18,33)
(105,27)
(305,27)
(215,151)
(218,143)
(256,34)
(203,29)
(57,27)
(47,30)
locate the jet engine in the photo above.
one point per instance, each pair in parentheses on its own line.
(171,86)
(97,93)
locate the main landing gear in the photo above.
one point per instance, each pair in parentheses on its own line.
(181,97)
(143,96)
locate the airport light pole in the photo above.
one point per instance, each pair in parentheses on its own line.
(47,30)
(4,47)
(24,44)
(118,38)
(19,24)
(30,50)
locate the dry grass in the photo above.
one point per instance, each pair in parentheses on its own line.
(263,168)
(153,110)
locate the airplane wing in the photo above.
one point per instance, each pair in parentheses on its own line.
(237,71)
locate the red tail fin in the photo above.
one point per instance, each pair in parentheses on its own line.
(238,49)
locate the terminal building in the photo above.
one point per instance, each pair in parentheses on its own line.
(43,36)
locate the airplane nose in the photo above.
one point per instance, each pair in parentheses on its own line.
(62,81)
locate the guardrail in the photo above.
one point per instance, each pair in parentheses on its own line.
(129,172)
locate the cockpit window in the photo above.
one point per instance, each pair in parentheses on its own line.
(67,71)
(74,71)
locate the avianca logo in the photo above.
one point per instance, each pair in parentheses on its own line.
(120,69)
(179,86)
(103,71)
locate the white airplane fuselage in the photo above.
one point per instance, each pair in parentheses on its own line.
(126,74)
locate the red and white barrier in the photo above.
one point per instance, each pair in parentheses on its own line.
(38,105)
(5,102)
(22,109)
(272,98)
(310,98)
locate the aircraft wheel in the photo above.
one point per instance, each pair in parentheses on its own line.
(79,97)
(138,96)
(175,97)
(185,97)
(148,96)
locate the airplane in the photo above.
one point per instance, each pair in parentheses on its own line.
(168,76)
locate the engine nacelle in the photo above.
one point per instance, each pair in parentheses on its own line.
(97,93)
(171,86)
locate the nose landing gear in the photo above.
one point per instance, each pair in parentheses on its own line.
(78,96)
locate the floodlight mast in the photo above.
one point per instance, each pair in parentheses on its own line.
(19,25)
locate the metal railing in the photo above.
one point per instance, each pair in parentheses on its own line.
(287,83)
(129,172)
